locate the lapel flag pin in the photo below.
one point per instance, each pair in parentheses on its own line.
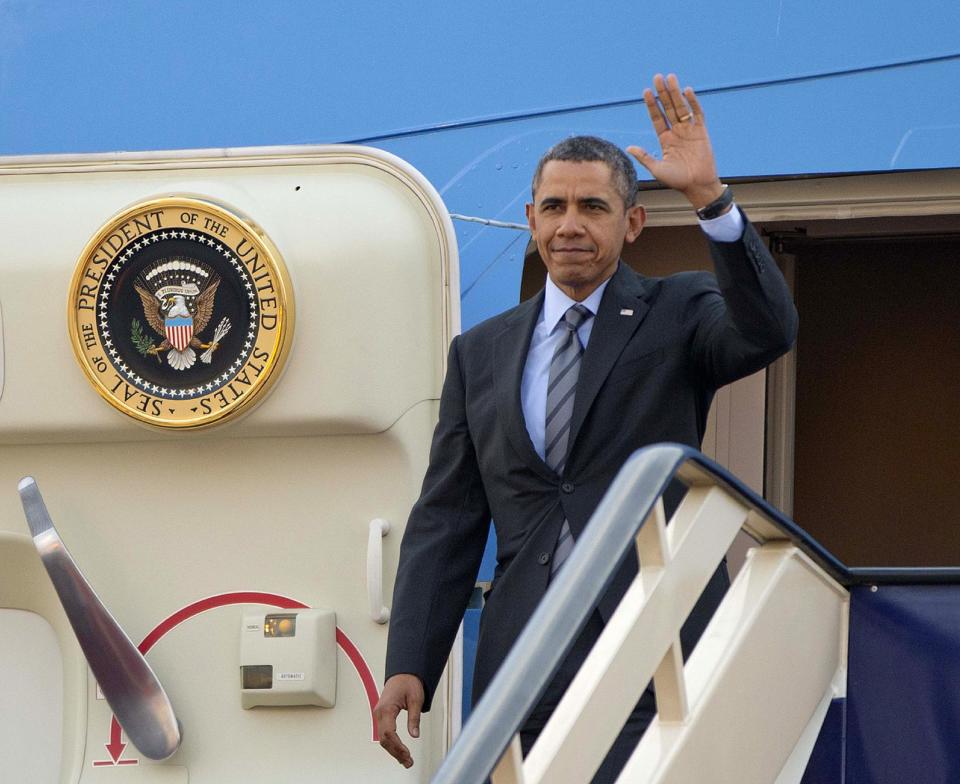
(626,312)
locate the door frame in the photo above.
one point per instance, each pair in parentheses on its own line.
(908,202)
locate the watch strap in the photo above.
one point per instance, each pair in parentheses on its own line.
(718,206)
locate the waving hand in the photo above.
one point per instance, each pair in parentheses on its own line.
(686,163)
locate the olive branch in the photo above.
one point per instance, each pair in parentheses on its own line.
(140,340)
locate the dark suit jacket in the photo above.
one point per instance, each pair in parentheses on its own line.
(646,377)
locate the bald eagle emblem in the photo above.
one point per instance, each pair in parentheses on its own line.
(178,298)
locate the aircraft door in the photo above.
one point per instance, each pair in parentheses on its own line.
(201,504)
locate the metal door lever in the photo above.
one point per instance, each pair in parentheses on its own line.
(129,684)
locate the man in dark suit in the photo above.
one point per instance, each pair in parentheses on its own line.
(646,357)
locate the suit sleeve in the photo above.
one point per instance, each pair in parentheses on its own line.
(751,320)
(442,546)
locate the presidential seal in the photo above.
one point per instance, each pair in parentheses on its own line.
(180,313)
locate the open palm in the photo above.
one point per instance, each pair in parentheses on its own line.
(686,163)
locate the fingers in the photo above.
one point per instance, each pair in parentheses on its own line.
(394,746)
(691,97)
(673,110)
(400,692)
(386,716)
(686,164)
(674,105)
(656,113)
(676,98)
(666,101)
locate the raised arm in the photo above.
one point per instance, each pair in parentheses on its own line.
(751,319)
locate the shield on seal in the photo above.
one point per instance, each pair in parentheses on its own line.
(179,330)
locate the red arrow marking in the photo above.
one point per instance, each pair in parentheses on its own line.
(115,747)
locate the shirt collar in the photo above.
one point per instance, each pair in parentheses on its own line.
(556,303)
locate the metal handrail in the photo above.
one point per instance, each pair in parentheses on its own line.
(539,650)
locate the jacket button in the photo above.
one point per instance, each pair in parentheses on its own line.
(567,487)
(543,558)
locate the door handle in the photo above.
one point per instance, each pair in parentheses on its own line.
(129,684)
(379,528)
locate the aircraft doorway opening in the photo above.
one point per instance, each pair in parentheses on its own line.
(877,434)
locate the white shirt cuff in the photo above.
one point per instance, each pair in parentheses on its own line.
(726,228)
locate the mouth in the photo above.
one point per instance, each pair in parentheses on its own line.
(571,250)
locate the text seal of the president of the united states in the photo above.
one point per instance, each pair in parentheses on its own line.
(180,313)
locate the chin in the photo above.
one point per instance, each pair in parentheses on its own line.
(570,280)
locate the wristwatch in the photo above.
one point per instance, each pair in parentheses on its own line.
(717,207)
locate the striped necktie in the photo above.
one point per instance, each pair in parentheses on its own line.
(561,390)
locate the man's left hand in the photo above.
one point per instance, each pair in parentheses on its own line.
(686,163)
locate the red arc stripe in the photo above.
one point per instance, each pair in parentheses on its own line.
(257,597)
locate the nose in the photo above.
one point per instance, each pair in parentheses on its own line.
(571,225)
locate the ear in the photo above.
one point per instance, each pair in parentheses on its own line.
(531,219)
(636,218)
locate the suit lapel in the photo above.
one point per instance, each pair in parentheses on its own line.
(509,357)
(621,311)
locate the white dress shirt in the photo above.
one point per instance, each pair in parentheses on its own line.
(546,336)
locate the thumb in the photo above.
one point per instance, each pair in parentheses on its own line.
(644,158)
(414,704)
(413,717)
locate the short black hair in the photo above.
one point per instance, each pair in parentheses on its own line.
(581,149)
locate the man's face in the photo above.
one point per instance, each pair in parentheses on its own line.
(579,222)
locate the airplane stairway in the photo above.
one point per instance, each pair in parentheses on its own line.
(810,672)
